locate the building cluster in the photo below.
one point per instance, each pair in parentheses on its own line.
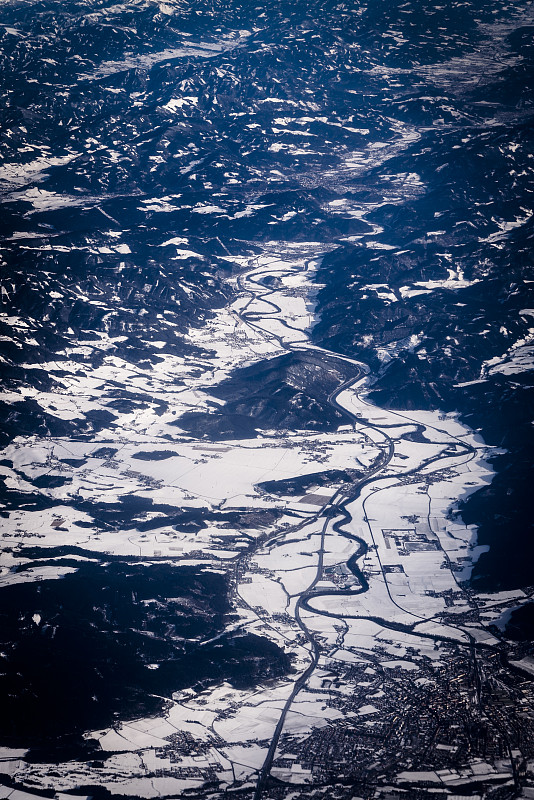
(456,725)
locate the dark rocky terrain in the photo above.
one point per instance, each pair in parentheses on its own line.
(144,149)
(288,392)
(477,175)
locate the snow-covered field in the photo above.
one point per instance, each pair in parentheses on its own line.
(415,554)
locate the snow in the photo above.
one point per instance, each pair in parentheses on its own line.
(518,359)
(455,281)
(367,709)
(17,175)
(248,724)
(189,49)
(7,753)
(526,664)
(415,552)
(264,593)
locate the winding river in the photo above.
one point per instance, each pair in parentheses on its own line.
(258,313)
